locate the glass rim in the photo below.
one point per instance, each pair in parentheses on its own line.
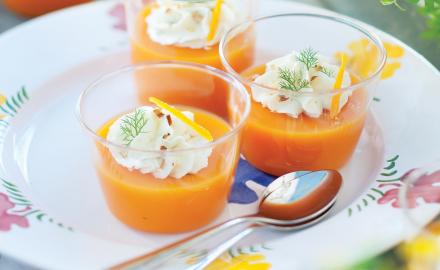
(161,64)
(339,19)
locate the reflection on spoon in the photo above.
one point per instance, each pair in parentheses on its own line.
(291,202)
(300,194)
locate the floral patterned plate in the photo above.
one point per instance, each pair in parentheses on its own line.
(52,212)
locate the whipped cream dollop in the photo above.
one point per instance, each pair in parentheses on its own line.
(297,85)
(154,129)
(187,23)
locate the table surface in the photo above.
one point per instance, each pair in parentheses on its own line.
(405,25)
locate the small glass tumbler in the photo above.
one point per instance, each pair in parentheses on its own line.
(167,205)
(278,143)
(180,30)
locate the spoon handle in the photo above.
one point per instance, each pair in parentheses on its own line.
(197,249)
(219,250)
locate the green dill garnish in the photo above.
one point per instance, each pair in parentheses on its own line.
(292,80)
(327,71)
(132,125)
(308,57)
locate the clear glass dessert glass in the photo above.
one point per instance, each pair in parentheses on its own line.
(278,143)
(219,102)
(419,197)
(172,34)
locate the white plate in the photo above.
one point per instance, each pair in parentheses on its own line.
(48,186)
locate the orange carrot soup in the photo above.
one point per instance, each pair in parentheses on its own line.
(144,48)
(185,87)
(31,8)
(170,205)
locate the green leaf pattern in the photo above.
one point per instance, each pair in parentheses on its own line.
(387,176)
(23,206)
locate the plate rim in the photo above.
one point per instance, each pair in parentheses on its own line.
(22,27)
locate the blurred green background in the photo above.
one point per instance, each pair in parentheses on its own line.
(406,25)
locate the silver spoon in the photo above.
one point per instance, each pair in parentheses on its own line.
(291,202)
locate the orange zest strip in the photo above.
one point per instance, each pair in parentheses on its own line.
(334,109)
(215,19)
(147,11)
(178,114)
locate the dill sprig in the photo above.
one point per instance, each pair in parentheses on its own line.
(292,80)
(308,57)
(132,125)
(327,71)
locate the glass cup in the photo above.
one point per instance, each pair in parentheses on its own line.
(277,143)
(183,35)
(419,196)
(168,205)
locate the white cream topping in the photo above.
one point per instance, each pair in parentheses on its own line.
(319,78)
(157,130)
(187,23)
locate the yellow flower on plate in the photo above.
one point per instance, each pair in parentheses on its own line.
(423,252)
(389,70)
(423,247)
(254,261)
(362,58)
(394,53)
(2,101)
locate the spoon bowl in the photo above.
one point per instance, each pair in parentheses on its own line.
(300,195)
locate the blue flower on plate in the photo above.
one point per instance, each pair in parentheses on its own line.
(240,192)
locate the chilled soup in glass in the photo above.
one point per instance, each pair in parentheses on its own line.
(310,91)
(32,8)
(189,30)
(158,172)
